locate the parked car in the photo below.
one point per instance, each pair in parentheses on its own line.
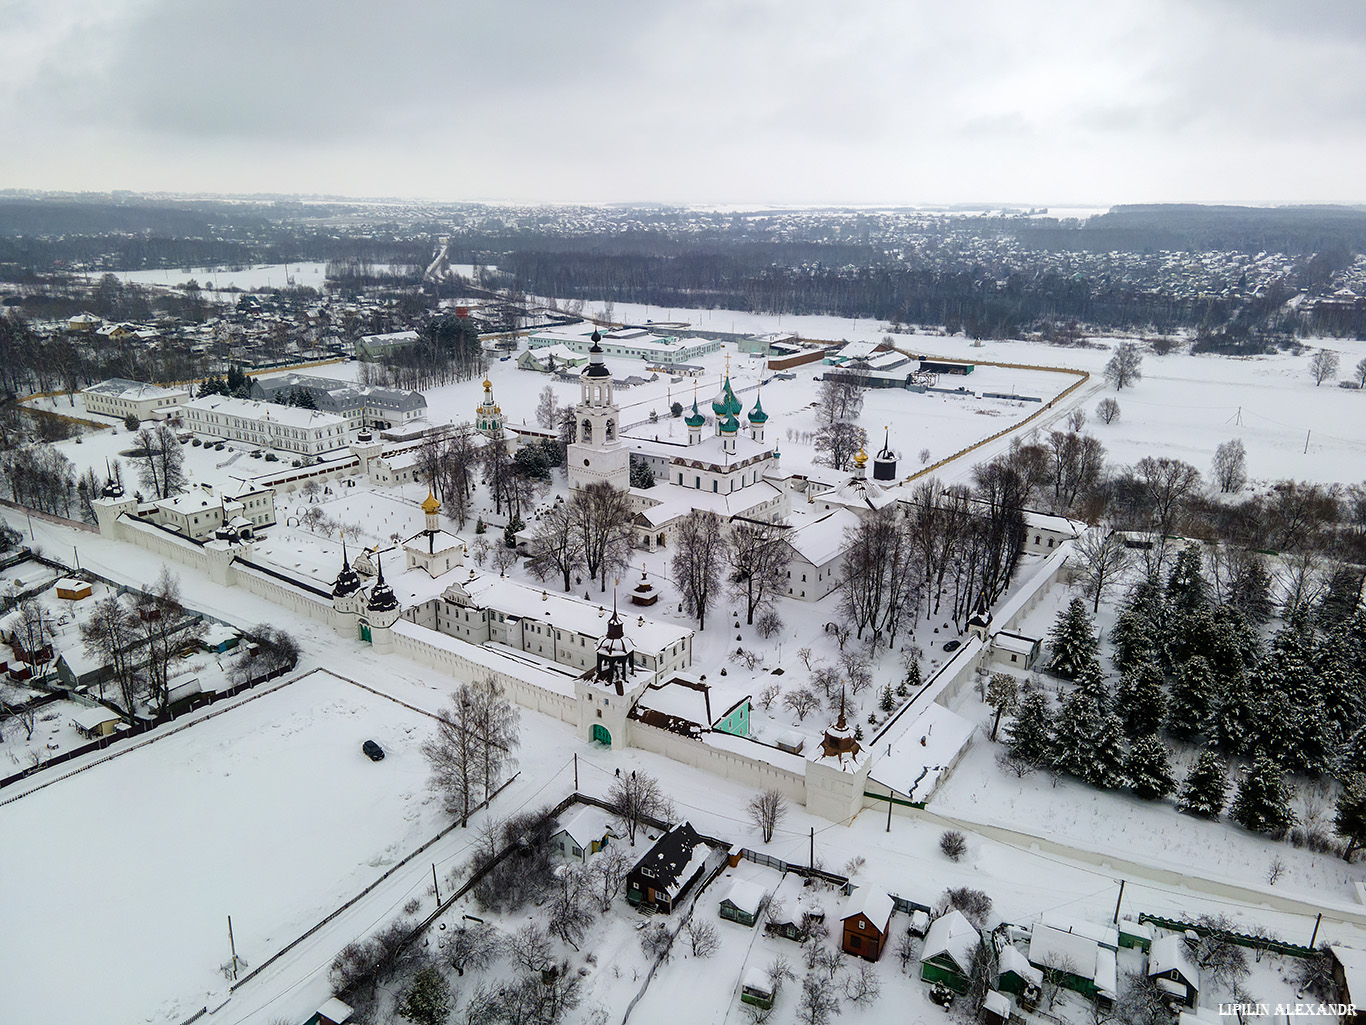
(373,751)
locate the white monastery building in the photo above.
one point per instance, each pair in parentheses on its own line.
(120,397)
(287,428)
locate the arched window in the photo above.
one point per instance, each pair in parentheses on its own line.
(611,430)
(588,432)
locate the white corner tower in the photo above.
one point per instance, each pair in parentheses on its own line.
(597,454)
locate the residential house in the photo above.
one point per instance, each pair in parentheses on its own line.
(795,907)
(95,722)
(663,877)
(949,948)
(866,917)
(1171,966)
(585,833)
(756,989)
(1075,961)
(1349,979)
(743,902)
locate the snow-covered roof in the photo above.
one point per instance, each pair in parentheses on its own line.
(1353,963)
(682,501)
(872,904)
(133,391)
(1104,934)
(564,612)
(1128,927)
(746,895)
(911,767)
(250,409)
(1056,524)
(954,935)
(433,542)
(1170,952)
(92,718)
(588,824)
(1007,641)
(996,1003)
(1081,955)
(681,699)
(335,1010)
(756,979)
(1011,960)
(822,541)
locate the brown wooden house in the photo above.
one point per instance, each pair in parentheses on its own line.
(866,917)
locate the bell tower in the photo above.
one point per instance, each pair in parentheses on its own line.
(596,453)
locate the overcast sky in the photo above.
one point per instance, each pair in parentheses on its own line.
(706,101)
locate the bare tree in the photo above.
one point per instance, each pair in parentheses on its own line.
(1360,374)
(838,441)
(1107,410)
(165,628)
(703,939)
(769,695)
(530,950)
(13,708)
(953,844)
(862,985)
(473,743)
(1230,466)
(569,914)
(1056,968)
(609,870)
(1323,365)
(1076,419)
(840,399)
(1168,483)
(547,408)
(801,702)
(108,636)
(602,517)
(759,557)
(557,546)
(637,800)
(766,811)
(1103,558)
(1125,366)
(696,564)
(474,947)
(818,1002)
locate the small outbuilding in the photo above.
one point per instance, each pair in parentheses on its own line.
(1349,978)
(866,918)
(756,989)
(1171,966)
(995,1008)
(1135,935)
(334,1012)
(71,589)
(743,902)
(96,722)
(949,948)
(1016,975)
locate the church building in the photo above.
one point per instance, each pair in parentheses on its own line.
(597,454)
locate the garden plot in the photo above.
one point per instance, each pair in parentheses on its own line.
(269,813)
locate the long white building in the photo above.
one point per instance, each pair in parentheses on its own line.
(119,397)
(265,425)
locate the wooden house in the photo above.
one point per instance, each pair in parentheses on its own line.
(95,722)
(334,1012)
(1079,961)
(796,906)
(867,915)
(1171,966)
(743,902)
(995,1008)
(949,948)
(583,835)
(666,873)
(72,589)
(756,989)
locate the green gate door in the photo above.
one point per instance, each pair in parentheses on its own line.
(365,632)
(600,734)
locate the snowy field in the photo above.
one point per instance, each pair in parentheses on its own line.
(275,275)
(269,813)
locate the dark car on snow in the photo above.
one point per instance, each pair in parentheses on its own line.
(373,751)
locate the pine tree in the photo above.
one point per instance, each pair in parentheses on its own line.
(1350,820)
(1138,633)
(1229,726)
(1076,729)
(1190,631)
(1141,701)
(1148,770)
(1186,587)
(1027,733)
(1262,803)
(1340,680)
(428,1000)
(1205,789)
(1188,703)
(1106,770)
(888,700)
(1235,646)
(1073,641)
(1091,682)
(1353,756)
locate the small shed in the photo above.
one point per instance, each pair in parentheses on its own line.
(756,989)
(219,638)
(1020,651)
(1171,966)
(1016,975)
(72,589)
(1135,935)
(995,1008)
(792,742)
(1349,978)
(920,923)
(95,722)
(743,902)
(334,1012)
(866,917)
(948,951)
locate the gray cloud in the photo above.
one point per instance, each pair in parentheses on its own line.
(787,100)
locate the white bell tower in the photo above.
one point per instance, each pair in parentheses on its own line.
(597,453)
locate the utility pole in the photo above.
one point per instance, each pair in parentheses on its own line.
(1317,922)
(1306,441)
(1117,901)
(576,772)
(813,848)
(435,885)
(233,945)
(889,810)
